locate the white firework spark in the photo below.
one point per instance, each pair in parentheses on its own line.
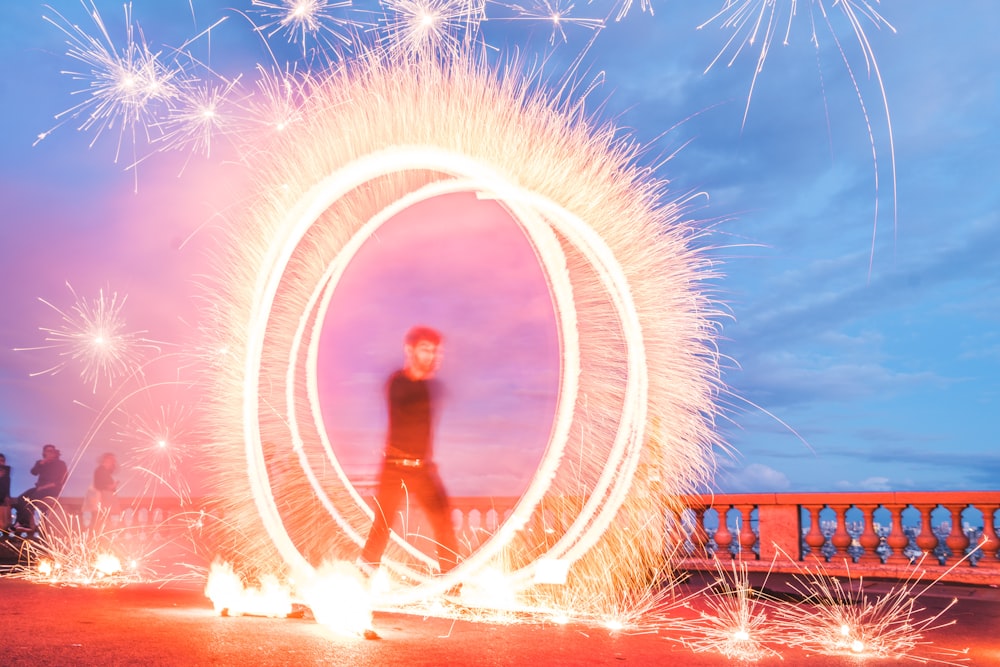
(733,618)
(126,85)
(558,13)
(625,6)
(429,27)
(93,334)
(203,112)
(304,20)
(757,23)
(160,444)
(838,617)
(277,103)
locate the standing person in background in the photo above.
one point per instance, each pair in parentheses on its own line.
(408,467)
(51,472)
(4,493)
(101,500)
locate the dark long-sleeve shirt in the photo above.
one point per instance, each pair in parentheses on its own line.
(51,475)
(411,417)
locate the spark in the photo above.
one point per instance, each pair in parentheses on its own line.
(838,617)
(759,22)
(559,14)
(203,111)
(70,553)
(304,20)
(733,619)
(160,445)
(231,596)
(93,334)
(278,102)
(426,27)
(625,6)
(126,87)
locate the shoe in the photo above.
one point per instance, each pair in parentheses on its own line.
(367,569)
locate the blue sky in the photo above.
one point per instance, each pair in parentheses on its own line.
(853,365)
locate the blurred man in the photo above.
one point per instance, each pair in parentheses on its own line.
(408,468)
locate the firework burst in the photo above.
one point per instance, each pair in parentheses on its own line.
(757,23)
(69,552)
(126,85)
(305,21)
(559,14)
(838,617)
(202,112)
(94,335)
(431,27)
(733,618)
(160,445)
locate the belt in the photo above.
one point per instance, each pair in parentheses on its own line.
(407,463)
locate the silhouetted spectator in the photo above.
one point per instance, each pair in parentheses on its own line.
(51,472)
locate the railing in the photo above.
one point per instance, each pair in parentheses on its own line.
(900,535)
(142,516)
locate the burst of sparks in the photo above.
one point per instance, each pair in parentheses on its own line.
(428,27)
(757,23)
(159,445)
(278,103)
(119,548)
(305,20)
(203,111)
(733,619)
(71,553)
(837,617)
(559,14)
(93,334)
(123,83)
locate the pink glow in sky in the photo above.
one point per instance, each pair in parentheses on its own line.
(464,267)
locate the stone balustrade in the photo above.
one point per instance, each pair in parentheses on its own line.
(947,535)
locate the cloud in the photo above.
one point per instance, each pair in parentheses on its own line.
(753,478)
(867,484)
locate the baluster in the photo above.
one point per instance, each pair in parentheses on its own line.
(814,538)
(957,540)
(841,539)
(723,537)
(897,539)
(989,541)
(869,539)
(699,537)
(748,538)
(926,539)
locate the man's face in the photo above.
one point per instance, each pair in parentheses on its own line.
(49,453)
(423,359)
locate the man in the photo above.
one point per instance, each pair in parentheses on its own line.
(4,493)
(408,469)
(51,472)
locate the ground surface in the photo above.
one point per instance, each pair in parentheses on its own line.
(154,625)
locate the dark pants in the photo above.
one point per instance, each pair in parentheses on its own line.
(423,485)
(25,512)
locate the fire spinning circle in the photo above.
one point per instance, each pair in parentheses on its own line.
(632,425)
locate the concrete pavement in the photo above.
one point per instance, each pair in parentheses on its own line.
(175,625)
